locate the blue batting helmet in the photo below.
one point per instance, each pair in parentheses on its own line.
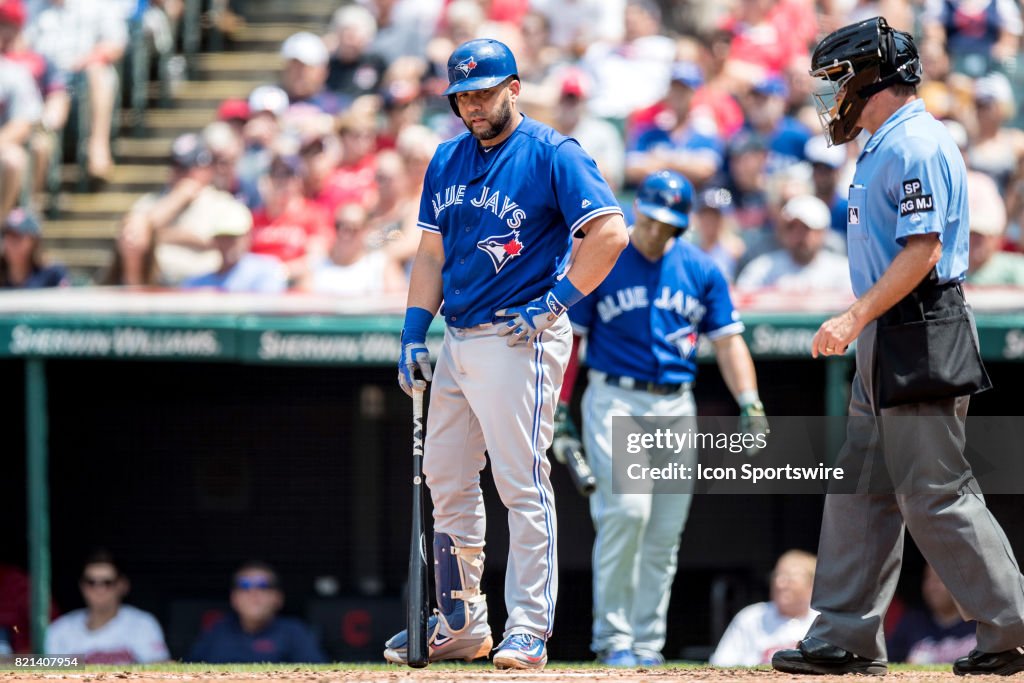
(666,196)
(478,65)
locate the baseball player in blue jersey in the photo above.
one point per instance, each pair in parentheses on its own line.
(499,208)
(907,231)
(642,325)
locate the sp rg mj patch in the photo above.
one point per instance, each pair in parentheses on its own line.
(913,201)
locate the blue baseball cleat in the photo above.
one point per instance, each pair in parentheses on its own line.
(649,660)
(622,659)
(521,651)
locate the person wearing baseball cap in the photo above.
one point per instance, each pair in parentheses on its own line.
(684,140)
(21,262)
(801,264)
(765,108)
(288,226)
(716,234)
(176,216)
(304,72)
(240,270)
(827,163)
(988,264)
(353,69)
(597,136)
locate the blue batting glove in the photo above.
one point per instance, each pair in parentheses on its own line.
(530,319)
(414,367)
(414,363)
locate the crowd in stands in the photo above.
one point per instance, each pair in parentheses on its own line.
(327,162)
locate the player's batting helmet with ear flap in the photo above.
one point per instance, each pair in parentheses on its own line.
(856,62)
(666,196)
(478,65)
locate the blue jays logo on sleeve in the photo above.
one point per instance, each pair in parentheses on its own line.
(501,248)
(466,65)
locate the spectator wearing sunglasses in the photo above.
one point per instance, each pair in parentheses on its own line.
(255,632)
(107,631)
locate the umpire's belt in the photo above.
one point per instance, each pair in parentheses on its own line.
(650,387)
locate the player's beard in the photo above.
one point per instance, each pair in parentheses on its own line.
(496,123)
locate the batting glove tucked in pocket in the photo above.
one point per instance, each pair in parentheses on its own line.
(414,367)
(530,319)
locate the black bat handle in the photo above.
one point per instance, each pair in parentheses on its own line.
(419,600)
(569,452)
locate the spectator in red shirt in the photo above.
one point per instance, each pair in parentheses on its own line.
(767,35)
(320,153)
(353,180)
(288,225)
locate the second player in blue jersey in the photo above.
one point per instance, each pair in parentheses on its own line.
(642,324)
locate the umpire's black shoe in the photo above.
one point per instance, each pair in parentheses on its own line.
(815,656)
(992,663)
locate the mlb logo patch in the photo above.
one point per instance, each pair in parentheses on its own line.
(853,215)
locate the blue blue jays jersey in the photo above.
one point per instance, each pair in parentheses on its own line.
(644,319)
(910,180)
(506,216)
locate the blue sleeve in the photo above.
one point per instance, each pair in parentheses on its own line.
(580,192)
(305,648)
(720,319)
(427,219)
(922,189)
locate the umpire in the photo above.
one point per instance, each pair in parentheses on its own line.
(917,364)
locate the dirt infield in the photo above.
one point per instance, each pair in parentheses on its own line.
(456,675)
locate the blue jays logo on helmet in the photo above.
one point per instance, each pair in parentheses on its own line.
(478,65)
(666,196)
(501,248)
(466,65)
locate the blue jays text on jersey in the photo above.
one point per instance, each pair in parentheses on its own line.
(643,321)
(506,216)
(488,199)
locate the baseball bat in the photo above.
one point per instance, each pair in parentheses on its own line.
(569,452)
(419,599)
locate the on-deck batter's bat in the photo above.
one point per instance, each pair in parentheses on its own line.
(419,599)
(569,452)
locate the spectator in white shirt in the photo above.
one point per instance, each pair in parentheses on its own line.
(352,269)
(802,264)
(634,73)
(84,37)
(758,630)
(106,631)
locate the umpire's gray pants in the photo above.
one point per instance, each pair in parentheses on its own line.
(861,546)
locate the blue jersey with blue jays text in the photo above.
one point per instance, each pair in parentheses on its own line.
(910,180)
(506,216)
(644,319)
